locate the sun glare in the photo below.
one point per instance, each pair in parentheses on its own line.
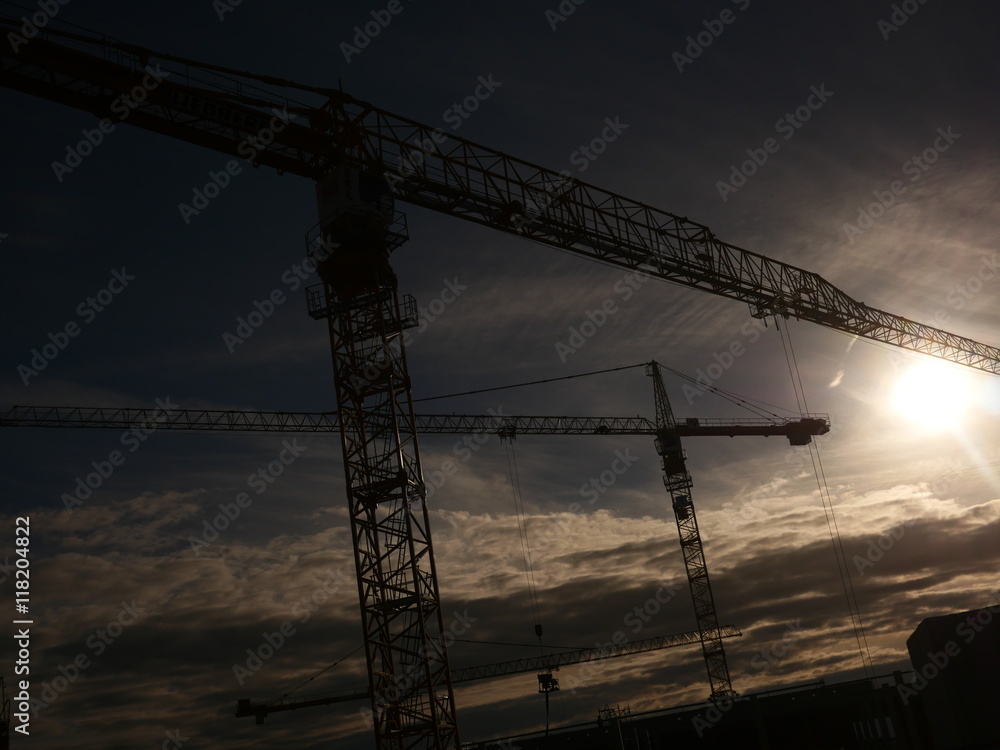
(933,395)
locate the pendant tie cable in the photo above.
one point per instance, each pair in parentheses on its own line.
(235,79)
(522,530)
(532,382)
(520,645)
(324,669)
(826,500)
(743,402)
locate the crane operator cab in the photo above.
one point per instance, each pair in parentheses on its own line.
(668,446)
(682,506)
(356,211)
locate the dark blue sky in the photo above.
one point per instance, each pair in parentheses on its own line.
(926,89)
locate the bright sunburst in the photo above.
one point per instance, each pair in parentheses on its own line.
(933,395)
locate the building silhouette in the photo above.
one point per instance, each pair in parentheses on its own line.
(949,701)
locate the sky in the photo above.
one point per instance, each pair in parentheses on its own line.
(873,129)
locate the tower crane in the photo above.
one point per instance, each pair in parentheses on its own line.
(546,662)
(678,484)
(363,158)
(427,167)
(798,431)
(665,428)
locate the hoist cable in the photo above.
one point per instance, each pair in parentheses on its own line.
(826,500)
(522,531)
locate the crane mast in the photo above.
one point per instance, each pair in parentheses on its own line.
(413,705)
(678,484)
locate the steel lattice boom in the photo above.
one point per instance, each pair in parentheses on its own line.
(200,420)
(260,709)
(429,168)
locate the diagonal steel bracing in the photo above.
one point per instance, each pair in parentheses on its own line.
(410,681)
(678,484)
(440,171)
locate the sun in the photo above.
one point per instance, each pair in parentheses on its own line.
(933,395)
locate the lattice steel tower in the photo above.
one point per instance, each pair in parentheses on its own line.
(678,483)
(409,677)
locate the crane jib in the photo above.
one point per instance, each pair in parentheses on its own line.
(470,181)
(242,118)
